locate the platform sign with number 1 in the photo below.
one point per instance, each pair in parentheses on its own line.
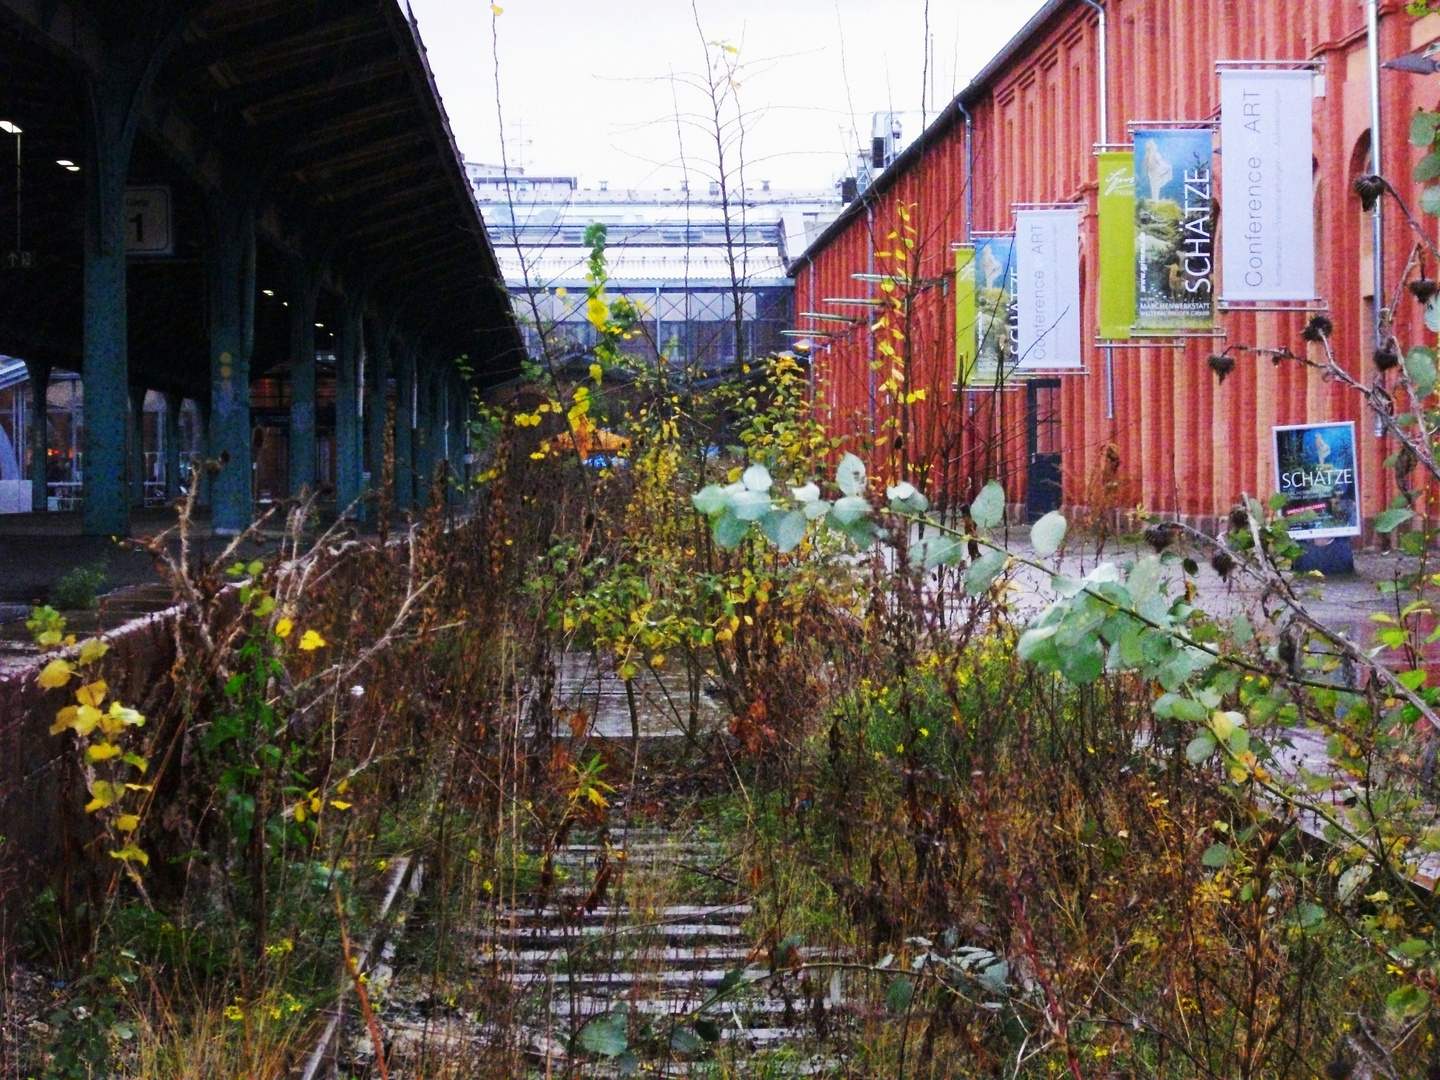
(147,221)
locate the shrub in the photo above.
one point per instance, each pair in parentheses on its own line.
(77,590)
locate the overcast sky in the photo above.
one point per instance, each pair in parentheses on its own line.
(586,86)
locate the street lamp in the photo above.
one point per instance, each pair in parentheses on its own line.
(19,257)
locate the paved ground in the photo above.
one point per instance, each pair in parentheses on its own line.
(37,550)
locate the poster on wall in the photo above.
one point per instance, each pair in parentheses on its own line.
(965,339)
(1267,181)
(1116,208)
(1315,471)
(1047,293)
(995,314)
(1174,232)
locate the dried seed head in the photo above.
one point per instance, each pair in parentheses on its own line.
(1239,519)
(1385,359)
(1317,329)
(1424,289)
(1369,187)
(1222,562)
(1222,364)
(1161,537)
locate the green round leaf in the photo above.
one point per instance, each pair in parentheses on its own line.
(850,509)
(791,531)
(988,509)
(730,530)
(1390,520)
(756,478)
(710,500)
(850,475)
(1216,856)
(1200,748)
(751,505)
(1048,533)
(606,1036)
(900,994)
(983,571)
(1420,366)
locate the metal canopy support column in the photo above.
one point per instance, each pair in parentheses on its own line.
(349,352)
(232,324)
(376,377)
(105,366)
(39,434)
(303,298)
(135,445)
(404,430)
(115,96)
(424,433)
(173,402)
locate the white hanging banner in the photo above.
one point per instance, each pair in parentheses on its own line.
(1047,289)
(1266,186)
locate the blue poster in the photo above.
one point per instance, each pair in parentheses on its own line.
(996,318)
(1316,472)
(1174,232)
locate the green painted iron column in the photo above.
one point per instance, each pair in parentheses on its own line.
(377,375)
(173,402)
(135,445)
(405,430)
(105,363)
(349,352)
(232,322)
(303,297)
(39,434)
(424,434)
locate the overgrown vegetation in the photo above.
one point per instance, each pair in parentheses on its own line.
(987,813)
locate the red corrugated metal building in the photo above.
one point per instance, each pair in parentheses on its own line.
(1156,429)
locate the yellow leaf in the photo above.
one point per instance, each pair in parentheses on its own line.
(595,797)
(143,764)
(127,822)
(86,718)
(597,312)
(595,372)
(64,719)
(92,650)
(315,805)
(340,804)
(92,693)
(310,641)
(131,853)
(55,674)
(283,628)
(496,9)
(562,292)
(103,794)
(101,751)
(126,715)
(300,812)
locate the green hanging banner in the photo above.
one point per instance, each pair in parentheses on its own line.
(1117,244)
(965,311)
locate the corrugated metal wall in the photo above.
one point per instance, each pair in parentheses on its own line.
(1184,444)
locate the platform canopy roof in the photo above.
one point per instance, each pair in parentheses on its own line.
(326,110)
